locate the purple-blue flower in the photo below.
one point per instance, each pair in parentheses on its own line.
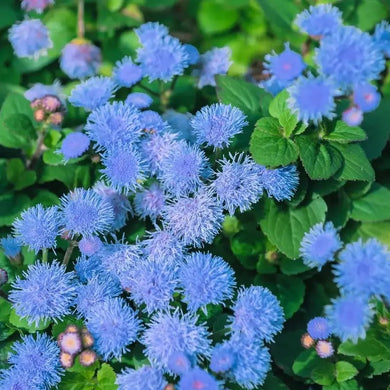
(36,5)
(74,145)
(312,98)
(318,328)
(149,202)
(320,244)
(324,349)
(90,245)
(382,37)
(223,357)
(152,122)
(215,125)
(151,32)
(366,97)
(193,53)
(139,100)
(14,379)
(178,363)
(30,38)
(353,116)
(88,267)
(10,246)
(39,90)
(126,73)
(37,227)
(92,93)
(180,125)
(144,378)
(80,59)
(46,292)
(197,378)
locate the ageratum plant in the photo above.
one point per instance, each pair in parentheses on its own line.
(238,241)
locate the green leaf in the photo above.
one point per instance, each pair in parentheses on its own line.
(65,174)
(46,198)
(8,14)
(293,267)
(5,331)
(348,385)
(213,18)
(372,207)
(22,323)
(106,378)
(379,230)
(11,206)
(356,165)
(380,367)
(285,226)
(5,310)
(51,157)
(273,383)
(278,109)
(324,374)
(76,381)
(320,159)
(246,246)
(59,327)
(269,147)
(345,371)
(345,134)
(306,362)
(18,175)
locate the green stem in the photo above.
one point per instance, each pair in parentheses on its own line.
(45,254)
(80,19)
(68,253)
(149,90)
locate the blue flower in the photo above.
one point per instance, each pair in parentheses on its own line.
(350,56)
(366,97)
(182,169)
(126,73)
(86,268)
(353,116)
(274,86)
(152,122)
(238,184)
(119,203)
(150,202)
(144,378)
(223,357)
(36,5)
(11,246)
(114,325)
(46,292)
(319,20)
(38,358)
(280,183)
(180,125)
(284,66)
(194,220)
(74,145)
(205,279)
(193,53)
(37,227)
(312,98)
(318,328)
(319,245)
(114,123)
(257,314)
(80,59)
(95,291)
(38,91)
(173,332)
(215,125)
(364,269)
(163,58)
(324,349)
(178,363)
(14,379)
(151,283)
(151,32)
(382,37)
(90,245)
(198,379)
(92,93)
(349,317)
(213,62)
(30,38)
(123,168)
(84,212)
(139,100)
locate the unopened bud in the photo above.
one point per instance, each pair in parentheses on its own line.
(51,103)
(39,115)
(3,276)
(169,386)
(36,103)
(383,321)
(71,329)
(86,338)
(66,360)
(307,341)
(56,118)
(324,349)
(87,357)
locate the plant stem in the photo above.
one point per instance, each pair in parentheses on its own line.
(68,252)
(80,20)
(38,151)
(44,255)
(149,90)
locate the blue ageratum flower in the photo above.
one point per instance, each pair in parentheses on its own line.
(349,56)
(36,5)
(285,66)
(257,314)
(139,99)
(30,39)
(37,227)
(80,59)
(123,168)
(223,357)
(151,32)
(92,93)
(10,246)
(183,168)
(88,267)
(74,145)
(213,62)
(144,378)
(14,379)
(194,220)
(319,20)
(349,317)
(172,332)
(312,98)
(382,37)
(364,269)
(197,378)
(38,91)
(215,125)
(366,97)
(193,53)
(151,283)
(152,122)
(205,279)
(150,202)
(274,86)
(86,213)
(318,328)
(46,292)
(163,58)
(90,245)
(280,183)
(38,358)
(320,244)
(180,125)
(353,116)
(114,325)
(126,73)
(238,185)
(113,123)
(178,363)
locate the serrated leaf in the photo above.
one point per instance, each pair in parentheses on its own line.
(106,378)
(345,371)
(320,160)
(269,147)
(278,109)
(324,374)
(293,267)
(22,323)
(306,362)
(76,381)
(62,173)
(18,175)
(345,134)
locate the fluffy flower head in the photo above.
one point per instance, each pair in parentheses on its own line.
(10,246)
(144,378)
(74,145)
(36,5)
(151,32)
(139,100)
(382,37)
(318,328)
(366,97)
(150,202)
(353,116)
(126,73)
(198,379)
(324,349)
